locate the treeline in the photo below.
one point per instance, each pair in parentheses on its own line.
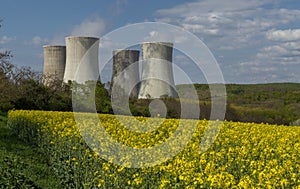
(276,103)
(23,88)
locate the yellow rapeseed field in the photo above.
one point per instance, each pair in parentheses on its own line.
(244,155)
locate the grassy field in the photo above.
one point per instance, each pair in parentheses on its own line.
(21,165)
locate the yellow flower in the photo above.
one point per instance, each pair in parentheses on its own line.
(138,180)
(254,155)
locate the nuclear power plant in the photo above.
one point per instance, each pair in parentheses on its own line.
(78,61)
(54,63)
(157,71)
(125,73)
(82,59)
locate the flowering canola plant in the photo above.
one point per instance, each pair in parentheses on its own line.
(244,155)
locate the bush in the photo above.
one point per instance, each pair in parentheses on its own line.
(11,177)
(296,123)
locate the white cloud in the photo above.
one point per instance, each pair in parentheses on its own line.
(164,35)
(284,35)
(284,51)
(228,24)
(5,39)
(246,36)
(281,54)
(119,6)
(199,28)
(37,41)
(58,39)
(212,6)
(274,63)
(292,45)
(90,27)
(160,36)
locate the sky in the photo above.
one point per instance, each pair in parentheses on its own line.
(253,41)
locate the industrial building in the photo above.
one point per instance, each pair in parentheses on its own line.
(54,63)
(125,73)
(78,61)
(157,71)
(82,59)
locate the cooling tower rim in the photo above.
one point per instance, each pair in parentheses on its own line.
(82,37)
(159,42)
(56,46)
(115,51)
(125,50)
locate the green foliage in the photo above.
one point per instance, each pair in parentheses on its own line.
(22,88)
(102,99)
(6,89)
(11,177)
(274,103)
(22,165)
(296,123)
(90,96)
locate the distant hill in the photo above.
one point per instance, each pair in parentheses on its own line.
(277,103)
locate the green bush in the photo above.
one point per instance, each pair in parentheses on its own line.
(11,177)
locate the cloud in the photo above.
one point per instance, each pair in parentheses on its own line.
(94,27)
(187,9)
(5,39)
(118,6)
(37,41)
(245,36)
(278,62)
(274,63)
(284,35)
(287,53)
(91,27)
(228,25)
(58,39)
(164,35)
(160,36)
(285,49)
(279,51)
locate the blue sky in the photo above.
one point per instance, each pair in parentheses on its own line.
(254,41)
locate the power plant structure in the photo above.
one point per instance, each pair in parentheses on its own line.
(78,61)
(157,71)
(125,73)
(82,59)
(54,63)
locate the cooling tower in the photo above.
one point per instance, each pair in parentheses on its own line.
(157,71)
(125,76)
(82,59)
(54,63)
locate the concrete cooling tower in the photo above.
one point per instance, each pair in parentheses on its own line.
(125,77)
(82,59)
(157,71)
(54,63)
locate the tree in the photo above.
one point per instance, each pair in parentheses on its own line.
(90,95)
(7,90)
